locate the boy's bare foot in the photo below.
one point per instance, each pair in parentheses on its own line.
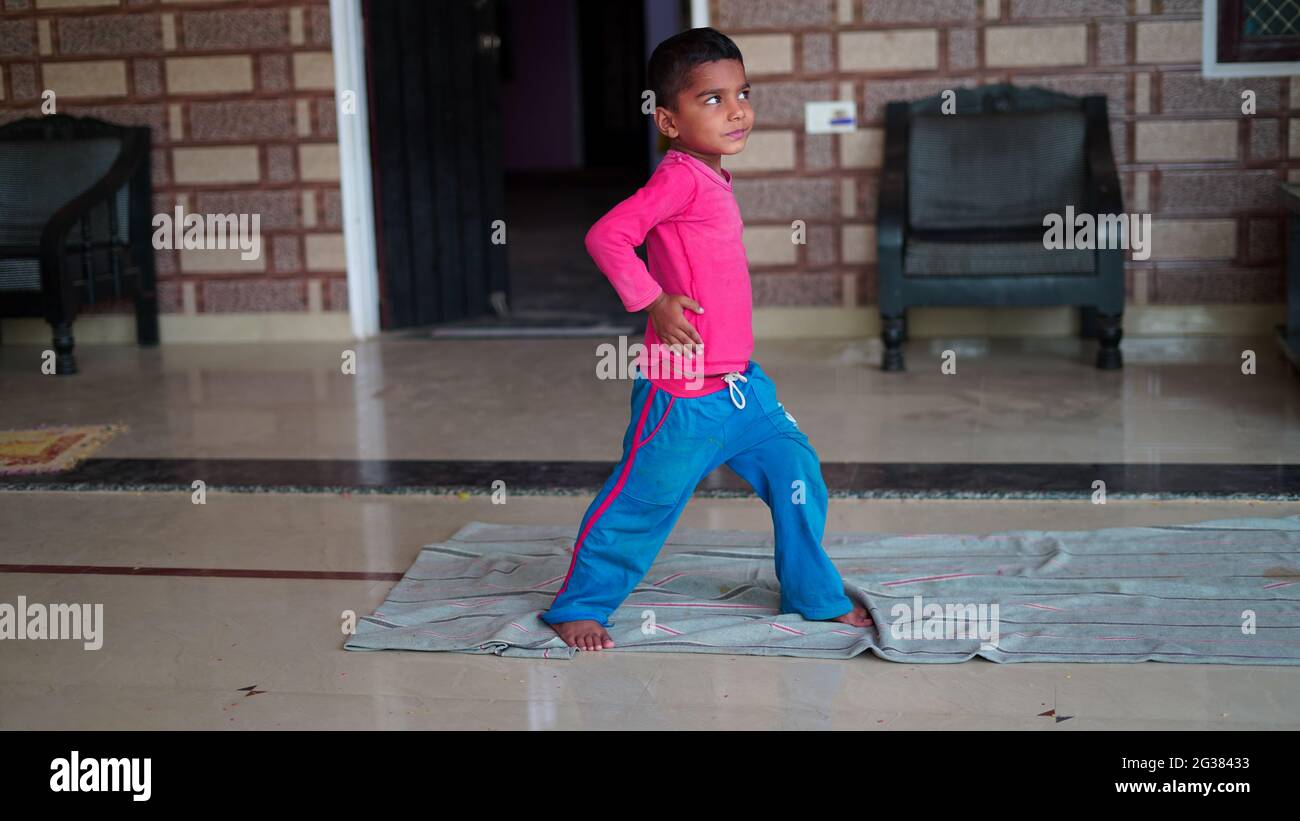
(857,617)
(584,635)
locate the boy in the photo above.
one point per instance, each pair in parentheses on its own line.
(709,404)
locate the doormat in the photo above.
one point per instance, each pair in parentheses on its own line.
(1216,592)
(51,450)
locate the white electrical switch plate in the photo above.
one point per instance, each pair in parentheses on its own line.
(830,117)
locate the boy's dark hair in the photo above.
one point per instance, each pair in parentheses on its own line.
(672,61)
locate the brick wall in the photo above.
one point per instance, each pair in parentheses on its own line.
(240,98)
(1187,154)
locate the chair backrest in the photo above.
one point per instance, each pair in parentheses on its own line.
(995,169)
(39,177)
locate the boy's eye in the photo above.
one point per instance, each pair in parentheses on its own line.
(710,100)
(744,95)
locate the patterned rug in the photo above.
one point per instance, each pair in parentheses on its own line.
(51,450)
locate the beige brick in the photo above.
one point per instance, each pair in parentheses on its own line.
(1193,239)
(1294,96)
(992,9)
(765,151)
(1143,6)
(67,4)
(45,45)
(844,11)
(209,75)
(1142,192)
(766,53)
(1036,45)
(901,50)
(1187,140)
(1293,137)
(189,298)
(1177,41)
(850,290)
(313,69)
(169,32)
(1141,286)
(220,261)
(302,115)
(863,148)
(296,36)
(1142,93)
(235,163)
(770,245)
(175,122)
(309,209)
(319,163)
(858,244)
(848,197)
(93,78)
(1293,175)
(314,297)
(326,252)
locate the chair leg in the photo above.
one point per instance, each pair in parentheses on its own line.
(65,364)
(891,331)
(146,319)
(1109,334)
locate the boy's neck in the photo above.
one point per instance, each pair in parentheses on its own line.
(713,161)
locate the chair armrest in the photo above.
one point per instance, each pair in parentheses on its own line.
(891,211)
(54,234)
(1104,192)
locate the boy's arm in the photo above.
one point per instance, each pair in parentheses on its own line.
(613,240)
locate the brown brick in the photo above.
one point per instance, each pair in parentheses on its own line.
(245,295)
(320,25)
(818,152)
(277,209)
(788,198)
(820,249)
(1194,239)
(766,14)
(338,290)
(1069,8)
(1114,86)
(326,119)
(288,253)
(331,208)
(242,120)
(782,103)
(1265,239)
(1224,191)
(273,69)
(110,34)
(22,79)
(147,76)
(817,56)
(1265,140)
(125,114)
(1112,44)
(805,289)
(963,49)
(169,297)
(235,29)
(1198,286)
(17,38)
(919,11)
(1187,92)
(279,163)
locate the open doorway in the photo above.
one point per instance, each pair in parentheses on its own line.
(526,112)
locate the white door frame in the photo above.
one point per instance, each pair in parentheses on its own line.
(357,191)
(348,39)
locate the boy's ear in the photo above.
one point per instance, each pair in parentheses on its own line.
(665,122)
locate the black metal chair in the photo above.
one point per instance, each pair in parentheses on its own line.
(57,173)
(963,197)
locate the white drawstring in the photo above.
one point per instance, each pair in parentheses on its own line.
(730,379)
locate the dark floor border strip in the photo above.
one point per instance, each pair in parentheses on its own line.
(202,572)
(881,480)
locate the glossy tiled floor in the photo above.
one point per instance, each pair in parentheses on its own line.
(179,648)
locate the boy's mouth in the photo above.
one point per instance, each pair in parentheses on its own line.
(738,134)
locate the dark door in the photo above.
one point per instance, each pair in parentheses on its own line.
(435,146)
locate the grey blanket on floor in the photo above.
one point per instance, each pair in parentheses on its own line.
(1221,592)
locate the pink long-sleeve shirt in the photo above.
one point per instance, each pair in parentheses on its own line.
(689,220)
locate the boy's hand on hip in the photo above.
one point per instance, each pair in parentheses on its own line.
(670,324)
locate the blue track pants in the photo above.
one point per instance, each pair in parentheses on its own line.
(671,444)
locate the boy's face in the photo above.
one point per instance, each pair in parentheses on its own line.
(712,114)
